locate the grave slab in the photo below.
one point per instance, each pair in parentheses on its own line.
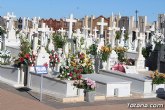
(110,86)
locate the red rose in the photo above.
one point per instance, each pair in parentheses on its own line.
(27,56)
(80,76)
(71,74)
(21,59)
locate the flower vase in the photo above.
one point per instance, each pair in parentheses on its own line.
(57,68)
(104,65)
(89,96)
(80,92)
(158,88)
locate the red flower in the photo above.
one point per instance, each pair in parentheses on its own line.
(45,64)
(27,56)
(80,76)
(58,60)
(50,56)
(21,59)
(71,74)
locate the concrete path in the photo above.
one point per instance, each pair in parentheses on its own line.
(12,99)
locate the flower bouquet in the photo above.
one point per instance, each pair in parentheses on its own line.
(105,52)
(120,52)
(158,78)
(53,59)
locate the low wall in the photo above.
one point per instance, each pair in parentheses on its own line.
(53,86)
(139,83)
(9,74)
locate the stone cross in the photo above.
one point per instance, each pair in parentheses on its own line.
(85,31)
(102,24)
(140,63)
(62,31)
(95,32)
(71,20)
(35,23)
(51,46)
(9,19)
(122,37)
(113,29)
(43,30)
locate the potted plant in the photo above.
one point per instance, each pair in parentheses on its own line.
(89,89)
(158,81)
(120,52)
(105,52)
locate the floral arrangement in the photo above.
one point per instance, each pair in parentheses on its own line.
(119,67)
(120,52)
(5,56)
(27,59)
(158,78)
(71,73)
(105,52)
(26,56)
(89,85)
(86,84)
(53,59)
(76,65)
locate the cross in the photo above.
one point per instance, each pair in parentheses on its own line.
(9,17)
(136,18)
(34,22)
(113,29)
(95,32)
(142,25)
(102,24)
(43,30)
(85,31)
(62,31)
(71,20)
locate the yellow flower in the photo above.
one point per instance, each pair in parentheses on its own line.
(152,76)
(156,73)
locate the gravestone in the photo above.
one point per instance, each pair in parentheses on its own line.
(71,20)
(122,41)
(51,45)
(140,63)
(95,32)
(113,30)
(101,24)
(43,56)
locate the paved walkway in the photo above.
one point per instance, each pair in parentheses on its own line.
(12,99)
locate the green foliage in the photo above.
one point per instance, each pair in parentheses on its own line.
(146,51)
(93,49)
(118,35)
(2,31)
(126,35)
(25,46)
(81,41)
(58,41)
